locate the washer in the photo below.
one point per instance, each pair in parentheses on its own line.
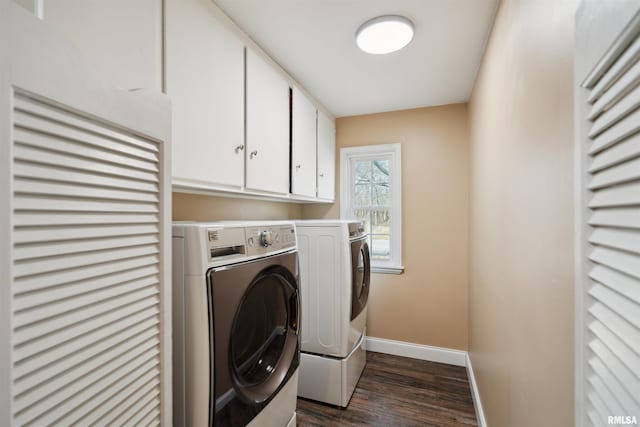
(236,347)
(335,277)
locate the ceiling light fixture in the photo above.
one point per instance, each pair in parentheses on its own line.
(384,34)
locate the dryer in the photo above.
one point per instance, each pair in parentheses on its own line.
(236,324)
(335,278)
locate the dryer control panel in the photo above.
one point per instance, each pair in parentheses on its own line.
(262,240)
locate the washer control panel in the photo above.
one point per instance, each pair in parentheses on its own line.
(225,243)
(265,239)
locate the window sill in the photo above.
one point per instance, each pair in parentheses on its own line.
(388,270)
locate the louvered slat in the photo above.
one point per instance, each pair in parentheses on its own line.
(38,266)
(627,194)
(628,149)
(141,387)
(617,347)
(74,309)
(29,154)
(26,138)
(622,329)
(58,130)
(35,203)
(624,62)
(621,372)
(624,172)
(624,307)
(615,217)
(78,246)
(33,107)
(76,365)
(28,186)
(79,274)
(619,282)
(53,217)
(613,406)
(611,98)
(86,268)
(65,174)
(37,340)
(56,234)
(27,300)
(627,240)
(620,261)
(145,415)
(625,403)
(93,342)
(62,401)
(601,411)
(625,128)
(105,391)
(611,345)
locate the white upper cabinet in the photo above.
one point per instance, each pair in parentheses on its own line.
(122,39)
(267,106)
(234,129)
(205,80)
(303,147)
(326,156)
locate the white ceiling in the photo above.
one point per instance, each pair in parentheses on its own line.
(314,40)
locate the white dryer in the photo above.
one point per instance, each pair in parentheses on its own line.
(235,324)
(334,280)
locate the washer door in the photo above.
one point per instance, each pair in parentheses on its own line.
(264,334)
(254,327)
(360,276)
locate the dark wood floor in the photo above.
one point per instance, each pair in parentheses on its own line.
(398,391)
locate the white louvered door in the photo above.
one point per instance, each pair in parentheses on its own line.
(88,197)
(608,250)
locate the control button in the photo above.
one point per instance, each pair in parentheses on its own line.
(250,241)
(266,238)
(276,238)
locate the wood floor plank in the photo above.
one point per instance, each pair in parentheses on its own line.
(396,391)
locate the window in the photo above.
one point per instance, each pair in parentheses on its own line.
(370,181)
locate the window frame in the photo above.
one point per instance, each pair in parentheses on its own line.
(393,152)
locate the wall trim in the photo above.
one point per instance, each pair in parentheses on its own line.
(432,354)
(417,351)
(475,394)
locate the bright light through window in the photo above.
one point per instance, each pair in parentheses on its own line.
(371,192)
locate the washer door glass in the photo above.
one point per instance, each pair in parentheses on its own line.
(263,334)
(361,276)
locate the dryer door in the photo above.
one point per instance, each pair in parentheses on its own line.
(254,313)
(360,276)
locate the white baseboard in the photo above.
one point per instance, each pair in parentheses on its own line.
(475,394)
(432,354)
(417,351)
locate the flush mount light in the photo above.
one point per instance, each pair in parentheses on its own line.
(384,34)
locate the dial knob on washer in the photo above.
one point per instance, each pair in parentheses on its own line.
(266,238)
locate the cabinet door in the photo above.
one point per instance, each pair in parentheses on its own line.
(267,154)
(205,79)
(303,167)
(326,156)
(122,39)
(85,305)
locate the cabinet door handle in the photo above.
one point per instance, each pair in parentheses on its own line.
(298,167)
(253,154)
(321,175)
(239,148)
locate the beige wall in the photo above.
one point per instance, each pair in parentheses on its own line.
(428,303)
(193,207)
(521,290)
